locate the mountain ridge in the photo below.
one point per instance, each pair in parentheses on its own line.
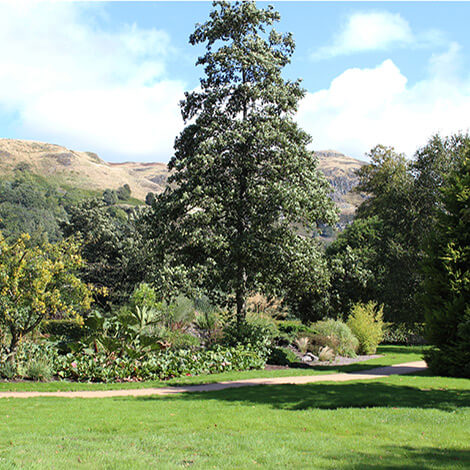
(87,170)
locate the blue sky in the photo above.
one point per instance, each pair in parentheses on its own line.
(107,76)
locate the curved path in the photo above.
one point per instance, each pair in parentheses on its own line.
(380,372)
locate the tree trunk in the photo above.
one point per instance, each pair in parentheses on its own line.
(15,340)
(241,296)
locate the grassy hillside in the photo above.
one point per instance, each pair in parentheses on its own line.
(86,170)
(79,169)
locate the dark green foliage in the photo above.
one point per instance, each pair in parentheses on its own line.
(405,334)
(123,193)
(378,256)
(113,247)
(242,176)
(446,296)
(110,197)
(30,204)
(353,262)
(70,330)
(150,199)
(255,331)
(292,327)
(282,357)
(306,280)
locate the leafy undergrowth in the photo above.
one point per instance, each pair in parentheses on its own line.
(393,423)
(391,355)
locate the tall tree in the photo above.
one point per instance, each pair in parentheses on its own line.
(378,257)
(112,247)
(243,178)
(446,296)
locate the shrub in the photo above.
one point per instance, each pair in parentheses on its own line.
(143,296)
(289,331)
(66,329)
(255,331)
(292,327)
(317,342)
(282,357)
(158,365)
(366,323)
(180,340)
(341,339)
(326,354)
(302,344)
(38,369)
(8,370)
(401,333)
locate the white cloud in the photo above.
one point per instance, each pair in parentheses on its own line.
(73,83)
(366,107)
(368,31)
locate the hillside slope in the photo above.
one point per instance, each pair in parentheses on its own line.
(87,171)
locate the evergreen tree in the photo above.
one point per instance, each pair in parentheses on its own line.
(446,296)
(243,178)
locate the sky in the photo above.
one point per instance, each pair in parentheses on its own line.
(107,77)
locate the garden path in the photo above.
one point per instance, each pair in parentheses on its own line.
(379,372)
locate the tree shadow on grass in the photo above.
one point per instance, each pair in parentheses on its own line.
(334,396)
(407,457)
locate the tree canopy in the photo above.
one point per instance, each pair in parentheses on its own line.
(446,295)
(39,282)
(243,178)
(378,257)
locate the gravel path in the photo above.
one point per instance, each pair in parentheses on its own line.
(380,372)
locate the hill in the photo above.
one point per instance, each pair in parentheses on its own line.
(86,170)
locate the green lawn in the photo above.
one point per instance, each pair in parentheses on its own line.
(400,422)
(391,355)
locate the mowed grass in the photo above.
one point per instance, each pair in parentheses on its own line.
(391,355)
(401,422)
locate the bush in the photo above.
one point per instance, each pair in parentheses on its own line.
(180,340)
(8,370)
(317,342)
(302,344)
(282,357)
(366,323)
(38,369)
(292,327)
(326,354)
(32,361)
(255,331)
(158,365)
(339,336)
(143,296)
(289,331)
(66,329)
(401,333)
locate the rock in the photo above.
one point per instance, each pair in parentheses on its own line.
(309,357)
